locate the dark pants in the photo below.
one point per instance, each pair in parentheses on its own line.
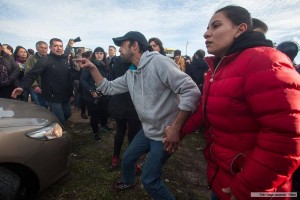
(5,91)
(213,196)
(76,92)
(296,181)
(99,113)
(132,125)
(82,106)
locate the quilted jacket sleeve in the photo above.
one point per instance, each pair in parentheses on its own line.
(193,122)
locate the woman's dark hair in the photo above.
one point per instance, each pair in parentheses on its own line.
(17,50)
(258,24)
(237,15)
(159,43)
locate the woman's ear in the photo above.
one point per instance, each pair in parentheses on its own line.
(241,29)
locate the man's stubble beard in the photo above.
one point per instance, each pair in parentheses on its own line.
(127,59)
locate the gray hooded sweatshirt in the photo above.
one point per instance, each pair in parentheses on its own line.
(158,90)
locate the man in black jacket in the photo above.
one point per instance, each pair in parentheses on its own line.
(56,82)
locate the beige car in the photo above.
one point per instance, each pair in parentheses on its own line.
(35,150)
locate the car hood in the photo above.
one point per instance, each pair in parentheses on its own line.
(14,113)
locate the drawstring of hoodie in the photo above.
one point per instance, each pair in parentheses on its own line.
(142,88)
(133,68)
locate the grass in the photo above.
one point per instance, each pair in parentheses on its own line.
(91,177)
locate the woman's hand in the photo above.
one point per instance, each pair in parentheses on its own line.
(228,191)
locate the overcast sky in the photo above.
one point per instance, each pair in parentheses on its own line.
(179,24)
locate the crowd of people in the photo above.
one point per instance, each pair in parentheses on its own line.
(245,97)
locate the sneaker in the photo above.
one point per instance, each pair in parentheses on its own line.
(96,137)
(105,128)
(115,161)
(138,169)
(119,186)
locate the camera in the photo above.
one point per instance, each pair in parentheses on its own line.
(77,39)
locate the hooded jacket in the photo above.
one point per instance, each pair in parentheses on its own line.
(251,112)
(196,71)
(158,90)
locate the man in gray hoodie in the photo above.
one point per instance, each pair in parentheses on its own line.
(163,97)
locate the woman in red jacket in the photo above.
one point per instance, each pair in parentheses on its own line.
(250,108)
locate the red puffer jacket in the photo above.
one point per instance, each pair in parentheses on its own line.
(251,110)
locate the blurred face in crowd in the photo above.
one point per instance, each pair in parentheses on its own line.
(111,52)
(126,52)
(154,46)
(176,58)
(99,55)
(221,33)
(22,54)
(57,48)
(42,49)
(6,49)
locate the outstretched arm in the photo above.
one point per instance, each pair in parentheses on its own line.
(86,63)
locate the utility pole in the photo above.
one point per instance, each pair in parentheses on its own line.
(186,47)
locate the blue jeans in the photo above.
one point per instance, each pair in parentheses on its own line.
(38,99)
(41,100)
(152,168)
(62,110)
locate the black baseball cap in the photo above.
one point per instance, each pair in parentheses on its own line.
(134,36)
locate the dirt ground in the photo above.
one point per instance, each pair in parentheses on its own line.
(91,177)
